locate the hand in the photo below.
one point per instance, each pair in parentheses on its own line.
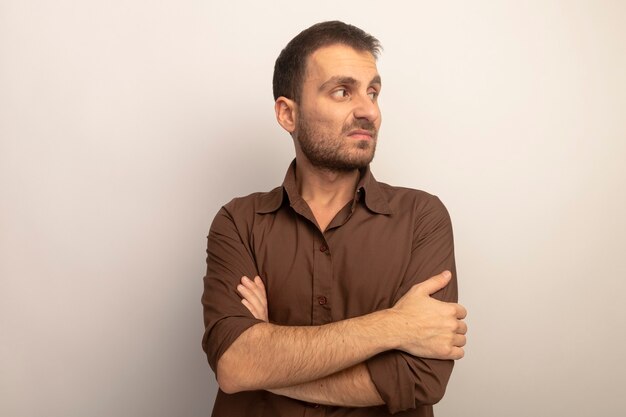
(254,297)
(431,328)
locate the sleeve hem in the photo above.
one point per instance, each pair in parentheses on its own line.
(218,339)
(389,373)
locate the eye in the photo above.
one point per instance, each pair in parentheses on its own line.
(373,94)
(340,93)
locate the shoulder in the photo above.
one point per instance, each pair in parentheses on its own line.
(242,210)
(403,200)
(427,215)
(256,202)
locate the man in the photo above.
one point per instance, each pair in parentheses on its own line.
(339,316)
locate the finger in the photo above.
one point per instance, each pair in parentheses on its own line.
(257,292)
(462,328)
(248,306)
(260,288)
(259,282)
(434,284)
(251,308)
(258,313)
(258,307)
(457,353)
(249,295)
(459,340)
(461,312)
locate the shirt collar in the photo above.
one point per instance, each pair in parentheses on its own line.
(374,197)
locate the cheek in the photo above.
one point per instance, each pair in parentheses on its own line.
(327,122)
(326,118)
(321,114)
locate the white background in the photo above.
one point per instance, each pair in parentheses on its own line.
(125,125)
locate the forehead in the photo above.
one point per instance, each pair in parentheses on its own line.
(340,60)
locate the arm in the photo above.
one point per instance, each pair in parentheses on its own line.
(243,350)
(268,356)
(352,387)
(417,380)
(401,380)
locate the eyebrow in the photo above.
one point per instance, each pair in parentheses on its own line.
(340,79)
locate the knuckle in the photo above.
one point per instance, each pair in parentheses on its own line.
(450,352)
(452,326)
(445,351)
(461,327)
(415,289)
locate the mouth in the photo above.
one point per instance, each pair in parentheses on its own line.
(361,134)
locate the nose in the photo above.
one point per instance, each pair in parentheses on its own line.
(366,108)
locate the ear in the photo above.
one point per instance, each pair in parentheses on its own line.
(286,113)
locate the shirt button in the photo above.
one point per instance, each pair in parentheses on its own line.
(322,300)
(323,248)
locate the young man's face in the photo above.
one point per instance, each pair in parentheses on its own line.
(338,115)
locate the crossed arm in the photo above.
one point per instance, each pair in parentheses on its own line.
(352,387)
(325,364)
(385,356)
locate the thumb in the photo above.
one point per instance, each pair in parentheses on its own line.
(434,284)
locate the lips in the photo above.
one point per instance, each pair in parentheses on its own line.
(361,134)
(360,129)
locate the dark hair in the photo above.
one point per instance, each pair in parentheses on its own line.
(291,63)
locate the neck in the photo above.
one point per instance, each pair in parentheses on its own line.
(321,187)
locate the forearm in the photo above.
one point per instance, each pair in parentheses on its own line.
(268,356)
(352,387)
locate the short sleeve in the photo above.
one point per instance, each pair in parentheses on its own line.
(228,259)
(402,380)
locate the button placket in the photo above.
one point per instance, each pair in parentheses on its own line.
(322,280)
